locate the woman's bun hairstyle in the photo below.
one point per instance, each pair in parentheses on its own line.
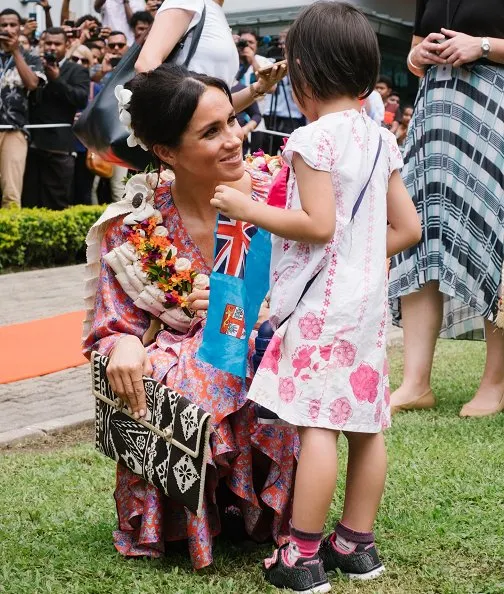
(164,101)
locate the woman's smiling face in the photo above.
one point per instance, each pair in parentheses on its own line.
(211,147)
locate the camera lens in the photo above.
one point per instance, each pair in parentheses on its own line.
(241,43)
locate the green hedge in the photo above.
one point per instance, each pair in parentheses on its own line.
(39,238)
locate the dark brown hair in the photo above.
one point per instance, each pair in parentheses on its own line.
(164,101)
(332,51)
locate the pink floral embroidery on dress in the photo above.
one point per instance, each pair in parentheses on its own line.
(325,352)
(364,381)
(286,389)
(341,411)
(272,355)
(302,358)
(310,326)
(378,413)
(344,353)
(314,409)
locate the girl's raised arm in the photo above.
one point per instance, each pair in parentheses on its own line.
(314,222)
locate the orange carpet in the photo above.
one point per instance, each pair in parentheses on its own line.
(40,347)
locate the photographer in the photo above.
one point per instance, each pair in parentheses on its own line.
(250,61)
(50,164)
(140,23)
(20,73)
(117,15)
(281,113)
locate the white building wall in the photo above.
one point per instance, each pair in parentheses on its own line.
(403,9)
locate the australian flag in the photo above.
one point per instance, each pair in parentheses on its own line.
(238,284)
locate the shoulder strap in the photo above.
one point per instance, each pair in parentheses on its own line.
(363,191)
(354,212)
(196,34)
(197,30)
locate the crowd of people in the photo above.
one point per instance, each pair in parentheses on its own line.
(48,79)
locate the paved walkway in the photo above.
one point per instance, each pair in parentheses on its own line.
(35,407)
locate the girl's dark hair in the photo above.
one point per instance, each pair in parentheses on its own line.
(332,50)
(164,101)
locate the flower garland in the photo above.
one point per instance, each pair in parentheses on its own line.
(174,278)
(263,162)
(146,264)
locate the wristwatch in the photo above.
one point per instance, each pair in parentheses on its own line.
(485,47)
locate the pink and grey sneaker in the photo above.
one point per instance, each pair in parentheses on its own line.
(362,563)
(304,575)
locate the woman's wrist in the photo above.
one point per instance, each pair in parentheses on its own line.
(414,68)
(257,91)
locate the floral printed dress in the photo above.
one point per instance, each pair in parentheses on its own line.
(147,518)
(326,365)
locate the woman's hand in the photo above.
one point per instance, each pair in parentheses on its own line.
(232,203)
(459,48)
(426,52)
(198,301)
(268,78)
(128,363)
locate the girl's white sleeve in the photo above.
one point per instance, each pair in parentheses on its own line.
(314,145)
(194,6)
(395,158)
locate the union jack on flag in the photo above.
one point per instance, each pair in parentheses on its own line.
(232,245)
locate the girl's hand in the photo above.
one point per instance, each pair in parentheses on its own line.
(459,48)
(198,301)
(426,52)
(128,363)
(232,203)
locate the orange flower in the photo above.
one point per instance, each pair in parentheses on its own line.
(159,242)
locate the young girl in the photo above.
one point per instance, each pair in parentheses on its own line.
(325,369)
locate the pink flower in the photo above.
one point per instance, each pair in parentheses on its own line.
(310,326)
(286,389)
(387,395)
(302,358)
(341,411)
(364,381)
(325,352)
(314,409)
(344,353)
(259,153)
(272,355)
(378,411)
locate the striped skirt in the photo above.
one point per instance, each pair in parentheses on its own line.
(454,171)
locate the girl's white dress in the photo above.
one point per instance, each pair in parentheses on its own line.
(326,366)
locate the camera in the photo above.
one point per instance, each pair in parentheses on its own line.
(69,23)
(95,33)
(50,57)
(114,61)
(242,43)
(73,33)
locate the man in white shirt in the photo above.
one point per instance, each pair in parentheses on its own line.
(116,14)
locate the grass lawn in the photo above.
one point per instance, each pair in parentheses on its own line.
(440,528)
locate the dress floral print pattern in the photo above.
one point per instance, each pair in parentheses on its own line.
(146,518)
(326,366)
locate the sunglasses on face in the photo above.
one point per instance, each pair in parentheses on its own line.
(116,45)
(77,60)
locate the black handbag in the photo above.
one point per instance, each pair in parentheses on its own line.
(169,450)
(99,128)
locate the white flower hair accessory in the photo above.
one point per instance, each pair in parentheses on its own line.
(123,97)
